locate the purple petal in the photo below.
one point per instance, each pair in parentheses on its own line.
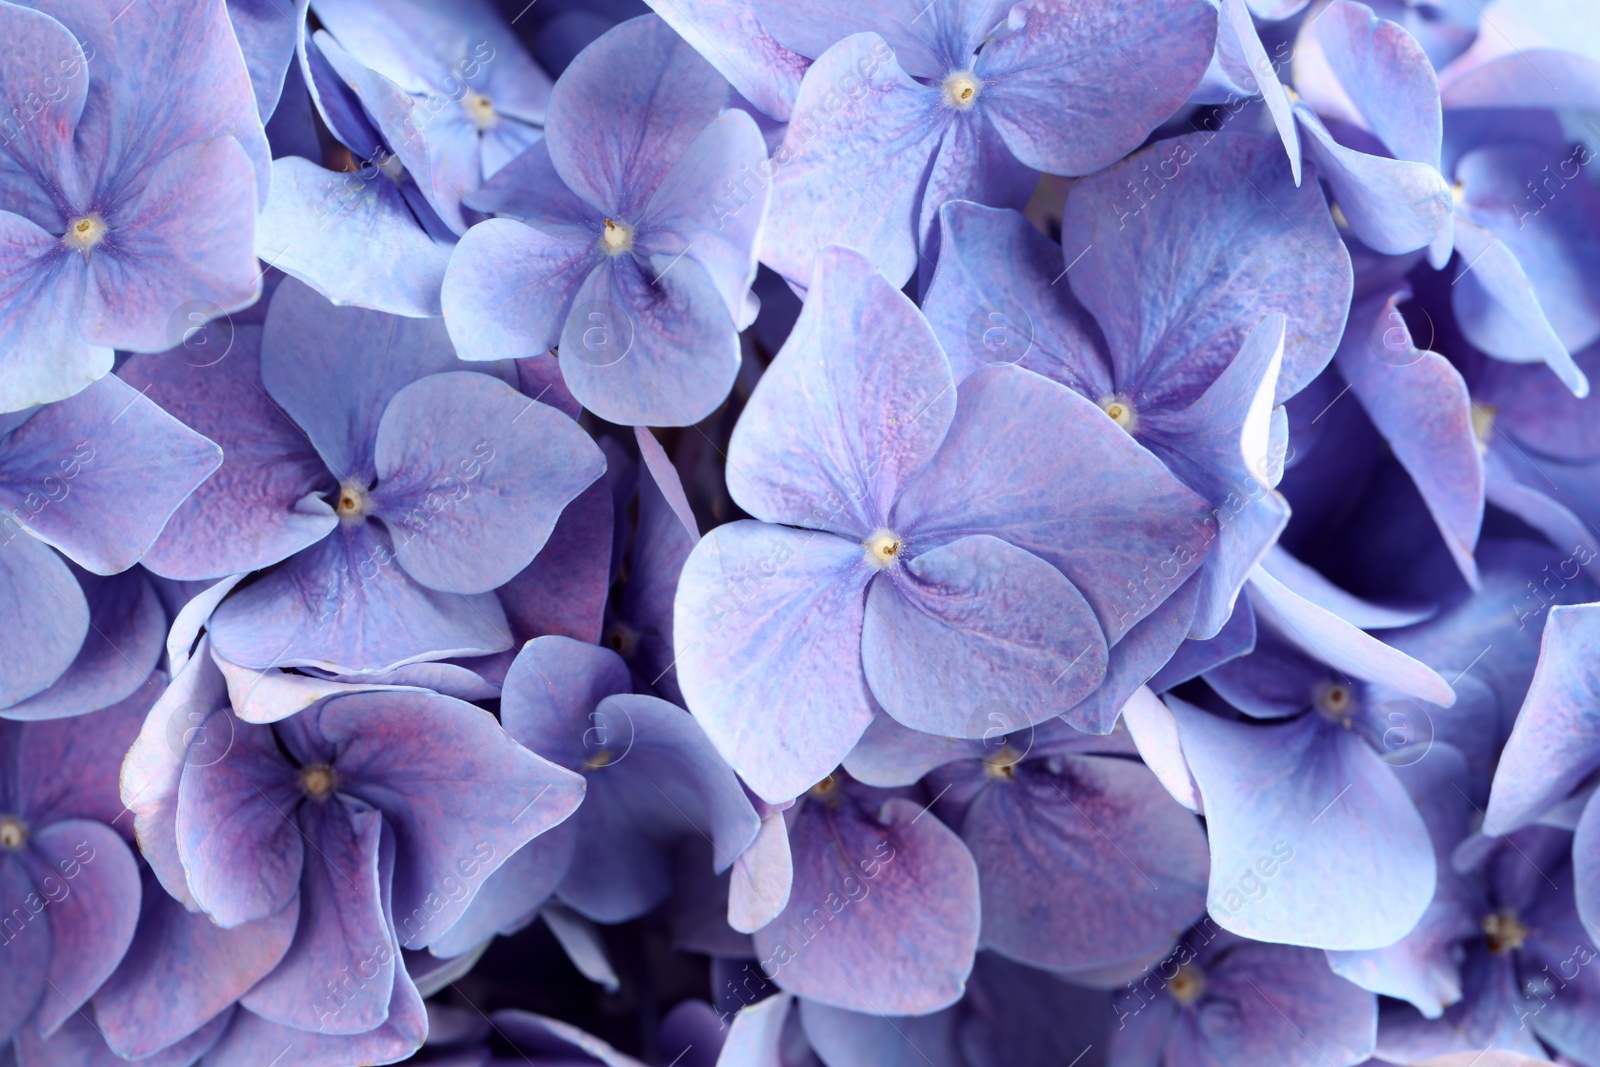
(626,109)
(853,407)
(883,916)
(41,297)
(1535,56)
(344,605)
(1105,521)
(187,239)
(50,618)
(1320,846)
(472,476)
(90,879)
(337,975)
(487,797)
(254,510)
(1084,861)
(1393,205)
(1499,309)
(80,1044)
(853,162)
(68,768)
(930,41)
(1238,41)
(1419,402)
(649,343)
(734,41)
(1355,67)
(1079,116)
(563,591)
(251,1041)
(768,629)
(1205,207)
(1137,657)
(113,466)
(236,837)
(510,286)
(28,950)
(509,898)
(183,970)
(352,237)
(973,623)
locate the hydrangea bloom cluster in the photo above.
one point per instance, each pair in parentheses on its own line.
(756,533)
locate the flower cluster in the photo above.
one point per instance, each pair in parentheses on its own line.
(799,533)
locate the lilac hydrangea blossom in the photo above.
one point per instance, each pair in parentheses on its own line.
(133,163)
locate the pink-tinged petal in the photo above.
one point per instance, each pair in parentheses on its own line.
(974,623)
(80,1044)
(472,476)
(1309,584)
(487,797)
(41,297)
(38,153)
(1540,412)
(1529,55)
(1550,223)
(1084,863)
(1552,747)
(1119,72)
(123,466)
(732,38)
(768,629)
(346,606)
(852,408)
(692,212)
(187,239)
(551,695)
(510,286)
(1393,205)
(237,839)
(1499,308)
(1237,38)
(1193,658)
(1353,66)
(183,970)
(129,626)
(1419,402)
(27,945)
(1329,638)
(352,237)
(763,877)
(626,109)
(273,695)
(649,343)
(972,163)
(556,1041)
(883,916)
(68,768)
(1319,845)
(337,976)
(253,511)
(251,1041)
(49,613)
(1115,522)
(179,727)
(563,591)
(756,1034)
(89,877)
(266,37)
(664,476)
(869,1039)
(853,162)
(175,74)
(1018,315)
(1205,207)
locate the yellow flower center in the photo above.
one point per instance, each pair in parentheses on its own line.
(1334,701)
(616,238)
(84,233)
(13,833)
(961,89)
(1121,411)
(353,503)
(1187,985)
(480,110)
(882,548)
(1505,931)
(1002,764)
(318,781)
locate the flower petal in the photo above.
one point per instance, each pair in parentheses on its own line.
(50,618)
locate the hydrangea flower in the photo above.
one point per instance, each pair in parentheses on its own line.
(133,163)
(620,243)
(322,814)
(900,561)
(396,488)
(908,106)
